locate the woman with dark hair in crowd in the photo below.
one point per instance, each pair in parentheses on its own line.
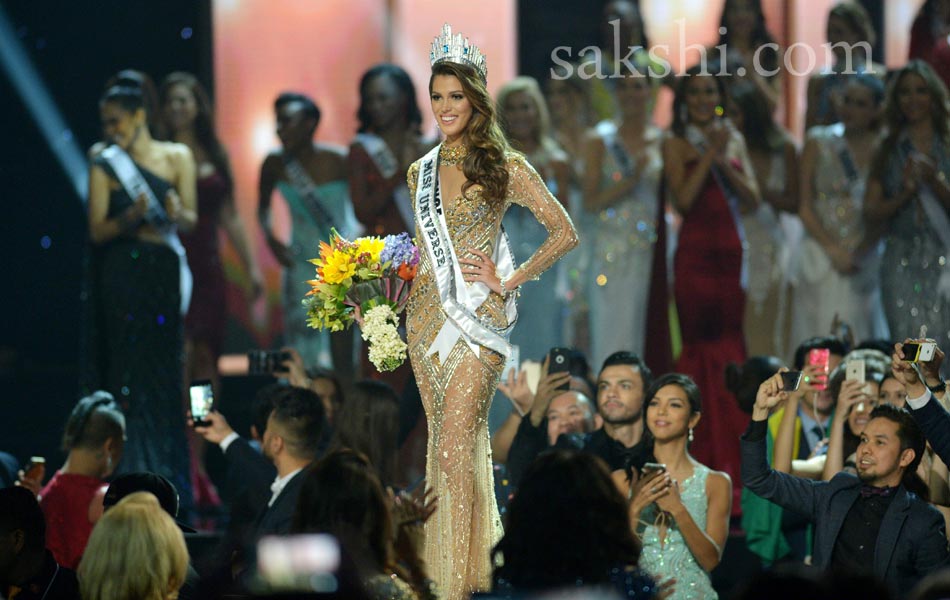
(710,177)
(682,510)
(838,262)
(774,158)
(567,527)
(141,81)
(141,192)
(188,119)
(626,279)
(851,36)
(369,424)
(908,192)
(524,118)
(389,138)
(749,45)
(931,25)
(72,500)
(342,496)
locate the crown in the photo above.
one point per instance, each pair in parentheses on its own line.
(446,48)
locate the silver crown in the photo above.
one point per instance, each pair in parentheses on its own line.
(456,49)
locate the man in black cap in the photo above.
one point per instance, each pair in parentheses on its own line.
(28,570)
(167,495)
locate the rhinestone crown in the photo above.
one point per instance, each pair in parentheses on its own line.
(456,49)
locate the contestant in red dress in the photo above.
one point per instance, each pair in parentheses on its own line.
(707,170)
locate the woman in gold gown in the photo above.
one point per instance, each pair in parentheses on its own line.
(462,304)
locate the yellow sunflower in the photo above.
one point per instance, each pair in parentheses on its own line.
(371,245)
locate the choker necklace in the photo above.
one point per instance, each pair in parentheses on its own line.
(452,155)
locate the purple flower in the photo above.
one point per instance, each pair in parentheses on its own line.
(399,249)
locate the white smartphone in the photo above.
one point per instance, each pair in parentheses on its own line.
(855,371)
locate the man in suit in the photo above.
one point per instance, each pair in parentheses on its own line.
(930,414)
(289,444)
(865,524)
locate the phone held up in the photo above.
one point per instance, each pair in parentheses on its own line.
(559,361)
(266,362)
(819,357)
(921,351)
(791,380)
(35,469)
(201,396)
(652,467)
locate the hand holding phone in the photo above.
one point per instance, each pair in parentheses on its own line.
(201,395)
(919,351)
(266,362)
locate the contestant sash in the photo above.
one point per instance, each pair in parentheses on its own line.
(312,203)
(134,184)
(935,213)
(460,301)
(387,165)
(696,137)
(608,132)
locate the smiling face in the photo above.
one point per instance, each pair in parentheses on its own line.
(452,110)
(701,99)
(879,458)
(120,126)
(180,108)
(913,98)
(633,95)
(620,394)
(669,415)
(856,106)
(563,100)
(521,116)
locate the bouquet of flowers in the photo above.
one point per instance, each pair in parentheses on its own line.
(366,281)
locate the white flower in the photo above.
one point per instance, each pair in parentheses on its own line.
(386,349)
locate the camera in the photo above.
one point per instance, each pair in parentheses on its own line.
(919,351)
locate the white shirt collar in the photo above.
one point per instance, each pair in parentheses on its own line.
(279,484)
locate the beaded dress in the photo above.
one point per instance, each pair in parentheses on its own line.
(914,256)
(671,557)
(622,257)
(822,291)
(456,393)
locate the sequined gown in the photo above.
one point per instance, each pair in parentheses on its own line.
(821,291)
(622,256)
(456,394)
(765,323)
(913,259)
(672,557)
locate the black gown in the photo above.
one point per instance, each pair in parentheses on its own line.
(134,347)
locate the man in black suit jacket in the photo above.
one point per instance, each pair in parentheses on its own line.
(864,524)
(930,414)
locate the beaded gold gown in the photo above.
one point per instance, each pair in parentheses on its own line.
(456,393)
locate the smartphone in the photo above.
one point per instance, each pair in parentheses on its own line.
(299,562)
(265,362)
(35,469)
(514,359)
(532,372)
(559,361)
(855,371)
(202,401)
(791,380)
(652,467)
(919,351)
(819,357)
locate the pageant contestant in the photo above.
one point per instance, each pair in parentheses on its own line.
(462,306)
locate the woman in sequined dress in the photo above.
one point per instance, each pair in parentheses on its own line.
(524,117)
(709,174)
(775,160)
(908,193)
(839,261)
(681,512)
(458,311)
(622,191)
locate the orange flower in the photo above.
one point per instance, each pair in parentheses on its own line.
(407,273)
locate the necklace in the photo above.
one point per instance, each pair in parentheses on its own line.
(452,155)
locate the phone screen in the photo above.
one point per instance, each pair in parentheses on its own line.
(202,400)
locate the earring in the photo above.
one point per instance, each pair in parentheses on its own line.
(691,434)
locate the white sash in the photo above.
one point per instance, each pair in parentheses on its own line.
(135,185)
(936,217)
(698,139)
(314,206)
(459,300)
(387,164)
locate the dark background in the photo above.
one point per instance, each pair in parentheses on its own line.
(76,45)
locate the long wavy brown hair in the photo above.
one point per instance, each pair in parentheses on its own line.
(485,165)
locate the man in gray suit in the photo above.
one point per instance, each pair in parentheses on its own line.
(866,524)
